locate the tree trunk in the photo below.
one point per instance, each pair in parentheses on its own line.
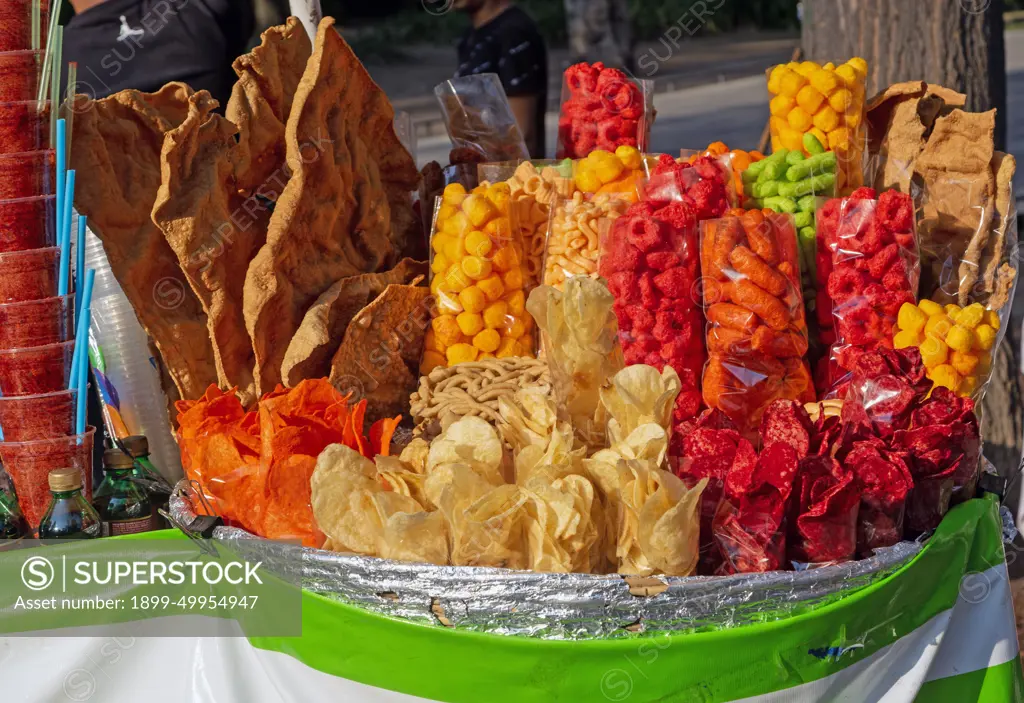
(955,43)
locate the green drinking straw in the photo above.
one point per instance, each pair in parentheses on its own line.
(58,52)
(67,106)
(48,63)
(36,22)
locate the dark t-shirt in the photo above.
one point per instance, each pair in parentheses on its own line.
(510,46)
(145,44)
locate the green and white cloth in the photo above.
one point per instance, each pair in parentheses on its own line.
(940,629)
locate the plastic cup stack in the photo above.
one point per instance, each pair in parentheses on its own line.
(41,425)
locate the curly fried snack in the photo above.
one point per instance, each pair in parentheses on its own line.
(576,226)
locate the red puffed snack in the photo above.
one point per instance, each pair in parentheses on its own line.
(824,510)
(868,267)
(885,484)
(602,108)
(749,527)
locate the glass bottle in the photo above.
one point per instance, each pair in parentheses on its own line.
(137,446)
(122,503)
(69,516)
(12,523)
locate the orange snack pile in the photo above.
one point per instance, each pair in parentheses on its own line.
(254,467)
(756,333)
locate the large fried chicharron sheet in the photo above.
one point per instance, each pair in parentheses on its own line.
(333,219)
(116,147)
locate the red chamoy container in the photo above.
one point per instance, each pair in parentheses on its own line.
(35,370)
(29,463)
(25,418)
(19,75)
(24,126)
(26,174)
(37,322)
(29,275)
(28,223)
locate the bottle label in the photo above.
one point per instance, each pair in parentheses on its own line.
(113,528)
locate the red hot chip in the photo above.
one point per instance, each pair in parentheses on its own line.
(826,523)
(787,422)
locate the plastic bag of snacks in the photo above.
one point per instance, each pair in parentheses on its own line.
(478,117)
(756,333)
(477,279)
(603,108)
(750,525)
(885,485)
(867,269)
(535,187)
(578,225)
(968,278)
(620,172)
(825,101)
(738,160)
(825,502)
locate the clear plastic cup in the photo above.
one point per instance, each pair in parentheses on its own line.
(24,126)
(28,223)
(35,323)
(19,75)
(26,418)
(26,174)
(33,370)
(29,464)
(29,275)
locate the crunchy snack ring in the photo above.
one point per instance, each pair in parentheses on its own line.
(478,279)
(473,388)
(573,247)
(533,192)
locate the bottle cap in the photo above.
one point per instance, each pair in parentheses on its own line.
(115,459)
(136,445)
(65,480)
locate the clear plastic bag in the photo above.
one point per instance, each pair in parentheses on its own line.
(535,186)
(620,172)
(825,101)
(825,508)
(578,224)
(756,332)
(477,279)
(872,271)
(479,118)
(603,108)
(968,234)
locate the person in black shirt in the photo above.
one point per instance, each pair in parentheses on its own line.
(145,44)
(504,40)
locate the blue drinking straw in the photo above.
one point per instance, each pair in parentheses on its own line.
(62,167)
(80,264)
(65,234)
(82,352)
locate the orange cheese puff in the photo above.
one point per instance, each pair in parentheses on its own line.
(763,244)
(753,267)
(732,316)
(749,295)
(779,344)
(722,340)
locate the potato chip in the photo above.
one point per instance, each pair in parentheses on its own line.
(579,339)
(638,395)
(489,531)
(470,440)
(416,537)
(670,527)
(415,455)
